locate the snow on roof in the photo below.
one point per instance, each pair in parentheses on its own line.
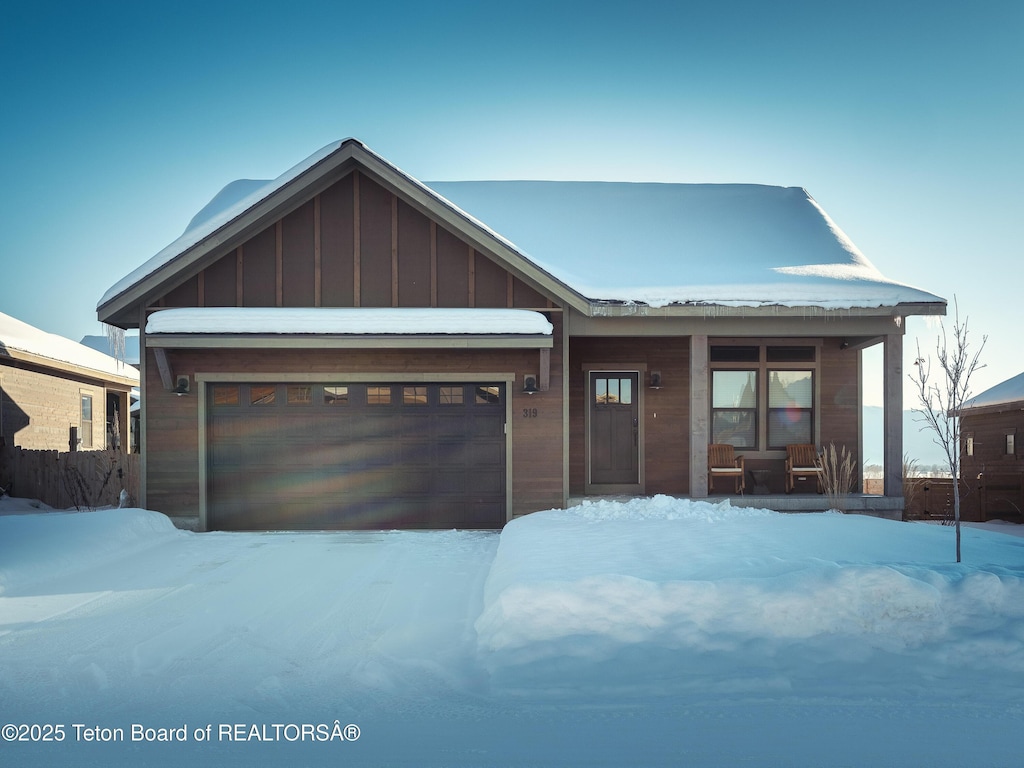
(232,201)
(348,320)
(1009,391)
(16,335)
(728,244)
(657,244)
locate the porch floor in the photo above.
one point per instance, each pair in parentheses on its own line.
(889,507)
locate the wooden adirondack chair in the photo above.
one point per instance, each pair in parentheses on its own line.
(802,461)
(723,462)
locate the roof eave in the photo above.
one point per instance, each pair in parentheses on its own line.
(78,371)
(712,309)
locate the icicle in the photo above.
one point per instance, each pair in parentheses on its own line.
(115,341)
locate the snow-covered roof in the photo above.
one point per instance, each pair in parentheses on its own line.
(1006,393)
(739,245)
(660,244)
(16,336)
(348,320)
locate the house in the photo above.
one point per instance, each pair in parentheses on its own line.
(57,394)
(992,463)
(348,347)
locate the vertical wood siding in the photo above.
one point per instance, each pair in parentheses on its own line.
(356,244)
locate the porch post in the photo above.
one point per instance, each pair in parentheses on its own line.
(699,410)
(893,414)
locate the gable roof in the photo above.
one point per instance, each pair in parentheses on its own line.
(24,342)
(684,247)
(999,397)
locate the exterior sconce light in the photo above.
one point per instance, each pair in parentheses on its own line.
(530,385)
(181,387)
(655,379)
(844,344)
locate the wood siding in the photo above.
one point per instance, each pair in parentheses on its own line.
(354,245)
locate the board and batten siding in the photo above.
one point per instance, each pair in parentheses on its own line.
(354,245)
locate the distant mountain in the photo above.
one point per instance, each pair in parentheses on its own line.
(918,444)
(101,343)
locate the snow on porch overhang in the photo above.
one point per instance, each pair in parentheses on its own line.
(347,327)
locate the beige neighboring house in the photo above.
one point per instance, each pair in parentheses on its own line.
(57,394)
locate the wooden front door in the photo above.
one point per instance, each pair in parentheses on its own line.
(614,428)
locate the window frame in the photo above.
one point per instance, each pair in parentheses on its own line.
(744,361)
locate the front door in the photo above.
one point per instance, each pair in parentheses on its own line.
(614,428)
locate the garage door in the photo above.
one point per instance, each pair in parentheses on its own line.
(355,456)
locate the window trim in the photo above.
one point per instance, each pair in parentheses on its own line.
(764,368)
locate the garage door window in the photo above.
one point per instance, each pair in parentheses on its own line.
(226,394)
(300,395)
(335,395)
(378,395)
(451,395)
(414,395)
(262,394)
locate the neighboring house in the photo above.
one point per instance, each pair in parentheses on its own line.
(992,467)
(347,347)
(56,394)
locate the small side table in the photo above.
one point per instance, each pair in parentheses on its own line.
(761,478)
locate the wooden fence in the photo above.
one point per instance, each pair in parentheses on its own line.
(987,497)
(64,480)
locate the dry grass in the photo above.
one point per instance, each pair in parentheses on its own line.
(838,475)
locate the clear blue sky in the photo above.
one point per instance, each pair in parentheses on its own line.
(904,120)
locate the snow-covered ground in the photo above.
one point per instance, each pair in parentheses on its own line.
(654,632)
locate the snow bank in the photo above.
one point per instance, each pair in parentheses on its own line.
(685,585)
(54,546)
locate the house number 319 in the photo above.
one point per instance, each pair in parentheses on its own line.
(529,413)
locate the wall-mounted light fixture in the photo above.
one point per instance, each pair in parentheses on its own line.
(530,385)
(844,344)
(655,379)
(181,386)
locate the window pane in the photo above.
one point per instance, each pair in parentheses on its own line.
(414,395)
(488,395)
(378,395)
(300,394)
(731,354)
(452,395)
(787,426)
(335,395)
(601,391)
(734,389)
(626,391)
(790,389)
(226,394)
(790,354)
(260,394)
(86,408)
(737,428)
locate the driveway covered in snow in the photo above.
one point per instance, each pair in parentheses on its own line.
(660,632)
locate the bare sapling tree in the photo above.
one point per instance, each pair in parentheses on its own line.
(942,398)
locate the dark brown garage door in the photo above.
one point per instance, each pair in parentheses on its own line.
(355,456)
